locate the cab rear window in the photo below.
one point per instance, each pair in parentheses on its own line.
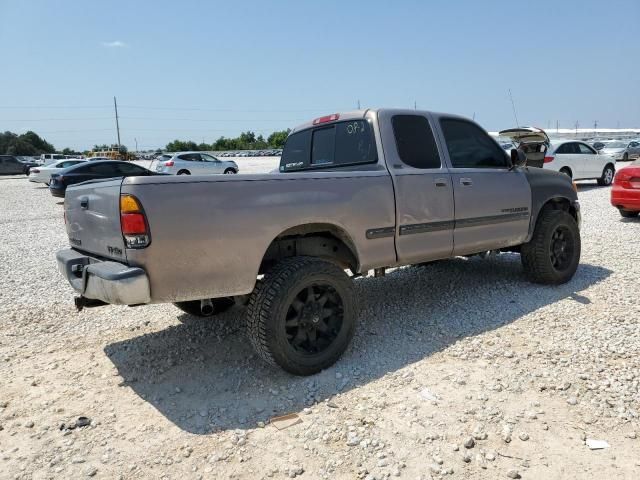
(338,144)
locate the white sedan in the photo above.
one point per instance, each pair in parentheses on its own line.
(43,174)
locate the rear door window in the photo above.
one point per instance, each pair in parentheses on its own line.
(415,141)
(339,144)
(104,169)
(190,157)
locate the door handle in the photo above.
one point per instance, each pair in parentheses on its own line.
(466,182)
(84,203)
(440,182)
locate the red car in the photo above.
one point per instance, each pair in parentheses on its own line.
(625,194)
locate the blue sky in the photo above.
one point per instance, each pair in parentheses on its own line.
(199,70)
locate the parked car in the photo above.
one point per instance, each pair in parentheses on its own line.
(194,163)
(94,171)
(49,158)
(11,165)
(359,191)
(98,159)
(580,161)
(625,193)
(622,150)
(41,174)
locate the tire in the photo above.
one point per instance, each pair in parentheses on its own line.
(229,171)
(193,307)
(184,172)
(566,171)
(607,175)
(553,253)
(628,213)
(625,157)
(288,308)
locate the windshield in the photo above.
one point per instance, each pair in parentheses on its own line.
(616,145)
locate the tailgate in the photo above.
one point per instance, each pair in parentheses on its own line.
(92,211)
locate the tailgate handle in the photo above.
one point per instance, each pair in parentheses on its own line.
(84,203)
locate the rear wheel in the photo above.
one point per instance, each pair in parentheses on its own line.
(229,171)
(625,157)
(184,172)
(566,171)
(607,176)
(553,253)
(628,213)
(193,307)
(302,315)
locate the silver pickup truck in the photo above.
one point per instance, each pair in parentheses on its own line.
(357,191)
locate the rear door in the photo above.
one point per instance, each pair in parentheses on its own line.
(570,156)
(492,201)
(423,189)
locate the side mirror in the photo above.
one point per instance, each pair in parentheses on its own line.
(518,158)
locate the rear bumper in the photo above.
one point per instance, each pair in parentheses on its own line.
(107,281)
(57,192)
(625,198)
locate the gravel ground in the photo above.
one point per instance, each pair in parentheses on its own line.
(458,369)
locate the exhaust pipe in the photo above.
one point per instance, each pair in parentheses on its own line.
(206,307)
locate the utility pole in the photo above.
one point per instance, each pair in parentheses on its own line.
(358,104)
(595,127)
(136,140)
(577,125)
(474,116)
(115,105)
(557,126)
(513,105)
(415,105)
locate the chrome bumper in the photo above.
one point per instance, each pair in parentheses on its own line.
(107,281)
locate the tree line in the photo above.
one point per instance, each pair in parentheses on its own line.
(27,144)
(245,141)
(31,144)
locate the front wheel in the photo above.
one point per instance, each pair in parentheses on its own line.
(302,315)
(229,171)
(625,157)
(553,253)
(607,176)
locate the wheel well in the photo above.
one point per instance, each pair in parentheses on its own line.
(568,170)
(183,170)
(315,240)
(561,203)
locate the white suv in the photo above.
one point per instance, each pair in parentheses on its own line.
(580,161)
(194,163)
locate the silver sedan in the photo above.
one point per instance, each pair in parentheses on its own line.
(194,163)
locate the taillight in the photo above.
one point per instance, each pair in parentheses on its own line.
(548,159)
(626,180)
(327,118)
(133,222)
(168,163)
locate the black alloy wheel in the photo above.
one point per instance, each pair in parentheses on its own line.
(314,319)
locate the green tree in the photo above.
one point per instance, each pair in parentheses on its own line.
(277,139)
(26,144)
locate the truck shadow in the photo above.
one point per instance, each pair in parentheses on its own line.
(203,375)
